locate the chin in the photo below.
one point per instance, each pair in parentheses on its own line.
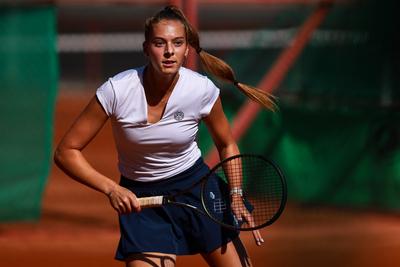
(170,70)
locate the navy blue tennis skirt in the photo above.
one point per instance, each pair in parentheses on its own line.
(170,229)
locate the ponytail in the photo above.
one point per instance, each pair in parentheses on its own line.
(210,63)
(223,71)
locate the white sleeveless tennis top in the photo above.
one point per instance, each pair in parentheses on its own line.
(149,152)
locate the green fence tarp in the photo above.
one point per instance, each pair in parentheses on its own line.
(337,133)
(28,83)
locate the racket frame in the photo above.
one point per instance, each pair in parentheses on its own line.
(270,221)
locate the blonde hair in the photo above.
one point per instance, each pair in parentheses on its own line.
(210,63)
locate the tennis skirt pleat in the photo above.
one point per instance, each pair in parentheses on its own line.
(170,229)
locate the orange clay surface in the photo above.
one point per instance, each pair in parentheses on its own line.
(79,228)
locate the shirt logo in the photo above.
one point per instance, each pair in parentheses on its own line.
(179,115)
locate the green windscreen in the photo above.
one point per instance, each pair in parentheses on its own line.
(336,135)
(28,83)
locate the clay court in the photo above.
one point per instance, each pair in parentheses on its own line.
(79,228)
(343,76)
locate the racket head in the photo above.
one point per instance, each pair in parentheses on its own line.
(264,191)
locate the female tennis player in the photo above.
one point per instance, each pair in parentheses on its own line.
(155,111)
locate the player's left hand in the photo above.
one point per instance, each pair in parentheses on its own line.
(241,213)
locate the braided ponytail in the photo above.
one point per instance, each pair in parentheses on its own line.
(210,63)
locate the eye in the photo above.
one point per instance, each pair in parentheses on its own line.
(179,43)
(158,43)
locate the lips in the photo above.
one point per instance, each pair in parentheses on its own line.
(168,62)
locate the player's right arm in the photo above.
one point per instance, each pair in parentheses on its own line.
(68,157)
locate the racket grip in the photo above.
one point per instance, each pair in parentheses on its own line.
(151,202)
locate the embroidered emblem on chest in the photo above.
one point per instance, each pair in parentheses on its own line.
(179,115)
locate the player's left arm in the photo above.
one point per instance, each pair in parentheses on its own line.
(219,128)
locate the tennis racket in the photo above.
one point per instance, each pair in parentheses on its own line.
(243,192)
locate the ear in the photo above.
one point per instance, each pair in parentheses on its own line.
(144,45)
(187,51)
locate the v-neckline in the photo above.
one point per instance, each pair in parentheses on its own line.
(167,104)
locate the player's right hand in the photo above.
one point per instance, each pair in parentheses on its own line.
(123,200)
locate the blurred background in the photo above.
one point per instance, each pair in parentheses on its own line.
(333,65)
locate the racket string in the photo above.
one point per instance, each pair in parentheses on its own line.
(262,192)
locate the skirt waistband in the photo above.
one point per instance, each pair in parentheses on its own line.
(189,176)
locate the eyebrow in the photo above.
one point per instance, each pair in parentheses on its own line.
(160,38)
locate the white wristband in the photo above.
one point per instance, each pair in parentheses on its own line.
(236,191)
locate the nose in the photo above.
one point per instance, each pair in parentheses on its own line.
(169,50)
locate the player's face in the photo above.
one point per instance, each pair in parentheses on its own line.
(167,46)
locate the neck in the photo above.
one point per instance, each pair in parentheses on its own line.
(159,83)
(158,87)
